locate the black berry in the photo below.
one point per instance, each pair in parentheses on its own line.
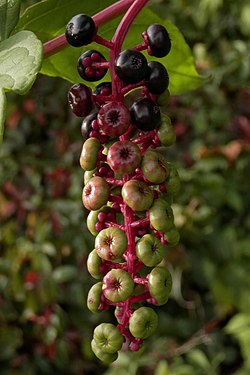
(159,40)
(104,89)
(86,66)
(131,66)
(80,99)
(145,114)
(86,124)
(157,78)
(80,30)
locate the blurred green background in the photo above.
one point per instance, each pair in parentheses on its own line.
(45,326)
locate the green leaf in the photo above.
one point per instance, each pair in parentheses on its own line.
(9,15)
(20,60)
(55,15)
(2,113)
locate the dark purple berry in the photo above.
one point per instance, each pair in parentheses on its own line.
(145,114)
(80,99)
(157,79)
(104,88)
(86,125)
(131,66)
(80,30)
(86,68)
(159,40)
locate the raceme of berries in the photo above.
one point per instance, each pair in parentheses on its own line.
(129,184)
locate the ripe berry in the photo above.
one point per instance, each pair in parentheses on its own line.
(159,40)
(80,99)
(86,125)
(145,114)
(131,66)
(87,70)
(114,119)
(80,30)
(104,88)
(157,79)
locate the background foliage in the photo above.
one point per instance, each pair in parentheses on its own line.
(45,327)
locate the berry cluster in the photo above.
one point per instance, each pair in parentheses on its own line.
(128,183)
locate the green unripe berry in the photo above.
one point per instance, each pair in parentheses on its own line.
(143,322)
(149,250)
(93,265)
(108,338)
(106,358)
(160,284)
(94,297)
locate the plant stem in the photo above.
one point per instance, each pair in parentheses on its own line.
(55,45)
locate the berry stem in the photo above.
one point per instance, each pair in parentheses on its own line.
(99,40)
(57,44)
(118,39)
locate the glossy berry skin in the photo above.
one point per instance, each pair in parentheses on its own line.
(85,66)
(80,99)
(111,243)
(166,132)
(108,338)
(117,285)
(161,215)
(104,88)
(86,124)
(95,193)
(89,154)
(94,297)
(93,265)
(143,322)
(159,40)
(145,114)
(157,79)
(114,119)
(80,30)
(137,195)
(149,250)
(124,157)
(131,66)
(160,284)
(154,166)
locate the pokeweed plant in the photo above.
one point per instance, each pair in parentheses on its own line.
(129,184)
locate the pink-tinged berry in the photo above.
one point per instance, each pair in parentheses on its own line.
(94,297)
(111,243)
(137,195)
(89,154)
(124,157)
(117,285)
(95,194)
(154,167)
(114,119)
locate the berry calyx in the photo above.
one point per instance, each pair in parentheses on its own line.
(131,66)
(145,114)
(86,68)
(80,30)
(159,40)
(80,99)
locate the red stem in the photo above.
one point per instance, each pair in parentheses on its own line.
(55,45)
